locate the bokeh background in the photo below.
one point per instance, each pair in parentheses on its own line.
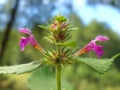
(91,17)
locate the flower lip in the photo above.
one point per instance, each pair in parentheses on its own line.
(23,42)
(96,48)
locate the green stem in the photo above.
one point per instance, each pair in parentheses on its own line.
(58,76)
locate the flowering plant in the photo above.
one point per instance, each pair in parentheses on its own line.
(63,51)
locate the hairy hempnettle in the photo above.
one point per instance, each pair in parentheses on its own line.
(62,54)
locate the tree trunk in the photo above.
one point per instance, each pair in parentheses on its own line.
(8,30)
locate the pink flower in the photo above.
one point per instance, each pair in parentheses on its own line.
(24,41)
(93,46)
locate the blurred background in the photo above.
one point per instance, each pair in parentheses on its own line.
(92,17)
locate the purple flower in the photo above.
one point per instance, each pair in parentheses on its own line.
(93,46)
(24,41)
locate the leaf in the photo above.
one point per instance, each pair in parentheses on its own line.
(71,44)
(99,65)
(19,69)
(44,79)
(116,56)
(43,27)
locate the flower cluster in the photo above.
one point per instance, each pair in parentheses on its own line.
(59,34)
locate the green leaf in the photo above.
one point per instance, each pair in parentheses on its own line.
(19,69)
(71,44)
(99,65)
(116,56)
(60,18)
(44,79)
(43,27)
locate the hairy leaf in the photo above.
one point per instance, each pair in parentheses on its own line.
(42,79)
(19,69)
(99,65)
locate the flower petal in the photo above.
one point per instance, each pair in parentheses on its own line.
(32,40)
(34,43)
(25,31)
(23,42)
(98,50)
(101,38)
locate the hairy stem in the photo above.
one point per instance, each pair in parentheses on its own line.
(58,76)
